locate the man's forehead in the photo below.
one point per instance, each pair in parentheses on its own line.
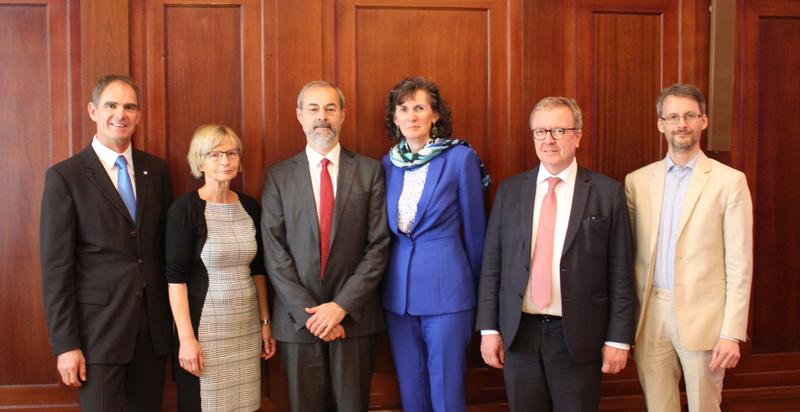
(680,103)
(321,96)
(118,92)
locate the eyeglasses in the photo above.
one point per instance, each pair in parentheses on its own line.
(216,155)
(675,118)
(556,132)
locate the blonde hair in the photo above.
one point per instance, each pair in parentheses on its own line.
(205,139)
(558,101)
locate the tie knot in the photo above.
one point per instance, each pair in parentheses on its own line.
(121,162)
(552,182)
(325,162)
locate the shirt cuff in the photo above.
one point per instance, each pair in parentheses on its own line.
(623,346)
(729,338)
(489,332)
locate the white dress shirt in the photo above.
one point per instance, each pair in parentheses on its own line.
(108,158)
(315,168)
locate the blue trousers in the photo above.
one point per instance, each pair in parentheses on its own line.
(429,355)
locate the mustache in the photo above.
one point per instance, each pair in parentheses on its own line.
(322,124)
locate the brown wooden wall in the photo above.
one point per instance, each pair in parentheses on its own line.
(242,62)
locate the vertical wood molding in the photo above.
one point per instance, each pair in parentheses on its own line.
(720,89)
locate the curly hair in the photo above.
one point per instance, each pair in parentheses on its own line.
(403,90)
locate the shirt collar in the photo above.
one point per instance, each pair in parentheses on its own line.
(669,164)
(567,175)
(109,156)
(315,157)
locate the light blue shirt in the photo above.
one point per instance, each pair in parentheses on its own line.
(676,184)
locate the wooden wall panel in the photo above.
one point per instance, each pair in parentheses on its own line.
(35,111)
(460,45)
(626,52)
(203,66)
(769,106)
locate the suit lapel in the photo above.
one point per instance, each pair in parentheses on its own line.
(142,176)
(97,176)
(697,182)
(393,189)
(579,198)
(435,168)
(658,176)
(347,169)
(305,192)
(527,193)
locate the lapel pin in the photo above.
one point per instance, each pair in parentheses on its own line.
(144,172)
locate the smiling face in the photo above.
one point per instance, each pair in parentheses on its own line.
(556,155)
(116,115)
(415,118)
(683,136)
(321,117)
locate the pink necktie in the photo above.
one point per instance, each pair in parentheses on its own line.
(542,262)
(325,215)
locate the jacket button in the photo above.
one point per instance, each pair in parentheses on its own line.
(141,262)
(520,295)
(139,294)
(133,233)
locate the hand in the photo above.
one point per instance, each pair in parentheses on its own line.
(190,357)
(336,333)
(324,318)
(72,368)
(614,359)
(725,354)
(492,351)
(270,346)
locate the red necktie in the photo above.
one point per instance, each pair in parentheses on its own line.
(325,215)
(542,262)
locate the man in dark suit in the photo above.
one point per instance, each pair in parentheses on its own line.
(326,244)
(102,255)
(557,277)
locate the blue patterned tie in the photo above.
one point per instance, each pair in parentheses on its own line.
(125,187)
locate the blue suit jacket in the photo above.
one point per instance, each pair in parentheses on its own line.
(435,270)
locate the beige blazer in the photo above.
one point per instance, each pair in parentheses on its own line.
(714,251)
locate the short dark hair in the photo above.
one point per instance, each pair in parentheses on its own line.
(104,81)
(405,89)
(681,90)
(323,84)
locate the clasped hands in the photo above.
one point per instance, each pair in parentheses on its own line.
(325,321)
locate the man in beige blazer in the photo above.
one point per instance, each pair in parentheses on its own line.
(692,220)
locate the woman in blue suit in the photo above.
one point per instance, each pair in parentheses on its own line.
(434,188)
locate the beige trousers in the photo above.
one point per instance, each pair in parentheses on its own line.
(660,357)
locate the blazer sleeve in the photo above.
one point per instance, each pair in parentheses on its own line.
(738,245)
(180,241)
(364,280)
(491,269)
(470,197)
(277,259)
(58,237)
(621,288)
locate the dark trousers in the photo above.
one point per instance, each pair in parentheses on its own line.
(331,376)
(134,386)
(540,374)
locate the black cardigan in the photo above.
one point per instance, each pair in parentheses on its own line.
(186,236)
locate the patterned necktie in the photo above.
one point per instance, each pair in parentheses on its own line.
(125,187)
(325,215)
(542,262)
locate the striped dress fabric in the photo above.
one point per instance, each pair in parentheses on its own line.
(229,331)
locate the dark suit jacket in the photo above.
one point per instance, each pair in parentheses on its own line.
(96,262)
(359,245)
(597,284)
